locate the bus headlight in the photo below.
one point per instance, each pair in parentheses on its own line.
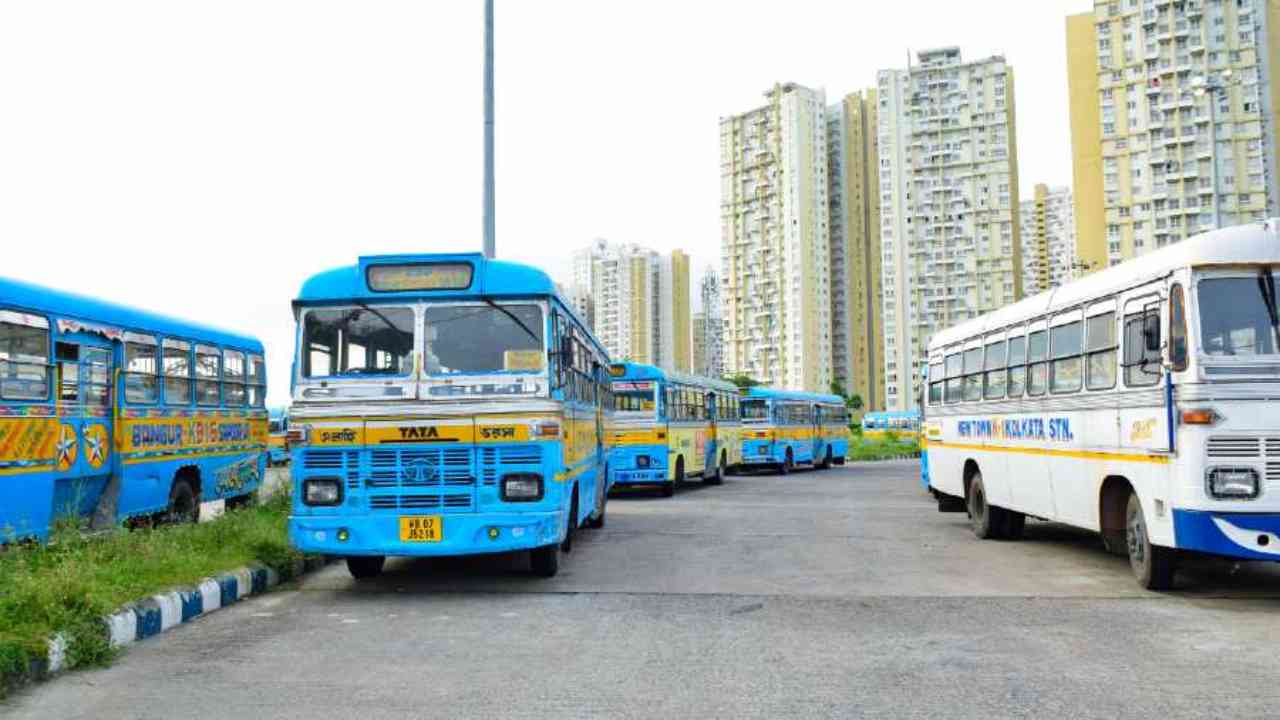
(642,461)
(522,487)
(1233,483)
(322,491)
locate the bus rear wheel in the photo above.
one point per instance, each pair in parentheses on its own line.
(1152,565)
(988,521)
(545,561)
(717,477)
(183,505)
(365,567)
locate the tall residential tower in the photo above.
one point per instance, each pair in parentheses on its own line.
(949,225)
(1173,120)
(775,246)
(1048,239)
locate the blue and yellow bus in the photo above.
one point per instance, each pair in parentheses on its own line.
(783,428)
(671,426)
(278,436)
(903,423)
(444,404)
(113,413)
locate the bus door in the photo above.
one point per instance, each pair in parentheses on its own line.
(711,454)
(84,450)
(818,450)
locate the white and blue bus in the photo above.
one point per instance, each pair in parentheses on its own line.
(1138,402)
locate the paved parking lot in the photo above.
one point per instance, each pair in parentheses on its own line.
(838,593)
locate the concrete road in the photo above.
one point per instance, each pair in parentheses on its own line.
(824,594)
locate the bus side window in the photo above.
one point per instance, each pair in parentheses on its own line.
(1177,329)
(68,355)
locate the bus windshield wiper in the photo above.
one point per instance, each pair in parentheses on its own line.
(1267,285)
(513,317)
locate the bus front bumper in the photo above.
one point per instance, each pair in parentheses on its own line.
(469,534)
(1247,536)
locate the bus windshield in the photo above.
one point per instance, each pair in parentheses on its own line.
(368,340)
(634,397)
(1238,316)
(484,339)
(755,410)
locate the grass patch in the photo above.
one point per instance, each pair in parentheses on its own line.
(882,448)
(68,585)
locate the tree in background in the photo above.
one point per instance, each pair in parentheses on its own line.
(853,402)
(743,381)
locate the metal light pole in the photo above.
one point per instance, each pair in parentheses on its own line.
(489,224)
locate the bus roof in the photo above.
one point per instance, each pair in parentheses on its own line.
(41,300)
(489,278)
(774,394)
(641,371)
(1241,245)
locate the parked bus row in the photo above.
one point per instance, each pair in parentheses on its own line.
(1138,402)
(109,414)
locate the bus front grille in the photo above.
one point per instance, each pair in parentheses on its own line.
(1234,447)
(427,478)
(514,458)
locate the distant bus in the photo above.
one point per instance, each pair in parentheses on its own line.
(903,423)
(671,426)
(277,437)
(116,414)
(783,429)
(1137,402)
(444,405)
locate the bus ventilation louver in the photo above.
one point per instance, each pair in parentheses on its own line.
(517,457)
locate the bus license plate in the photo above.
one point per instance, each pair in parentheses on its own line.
(423,528)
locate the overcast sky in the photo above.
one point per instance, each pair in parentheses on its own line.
(202,159)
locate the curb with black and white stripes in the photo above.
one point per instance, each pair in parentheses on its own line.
(154,615)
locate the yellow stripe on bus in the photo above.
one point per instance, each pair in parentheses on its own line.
(1077,454)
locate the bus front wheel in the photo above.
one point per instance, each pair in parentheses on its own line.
(365,567)
(545,561)
(1152,565)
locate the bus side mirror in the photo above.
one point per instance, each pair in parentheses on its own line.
(1151,332)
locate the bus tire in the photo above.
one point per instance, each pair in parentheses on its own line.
(184,507)
(365,567)
(668,489)
(567,545)
(597,521)
(787,465)
(717,477)
(987,521)
(545,561)
(1152,565)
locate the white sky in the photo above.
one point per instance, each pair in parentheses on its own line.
(202,159)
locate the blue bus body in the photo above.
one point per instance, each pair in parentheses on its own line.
(110,412)
(669,426)
(785,428)
(903,423)
(278,436)
(443,405)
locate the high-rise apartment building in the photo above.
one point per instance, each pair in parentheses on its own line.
(1173,120)
(1048,239)
(857,331)
(673,327)
(637,302)
(949,225)
(775,245)
(708,329)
